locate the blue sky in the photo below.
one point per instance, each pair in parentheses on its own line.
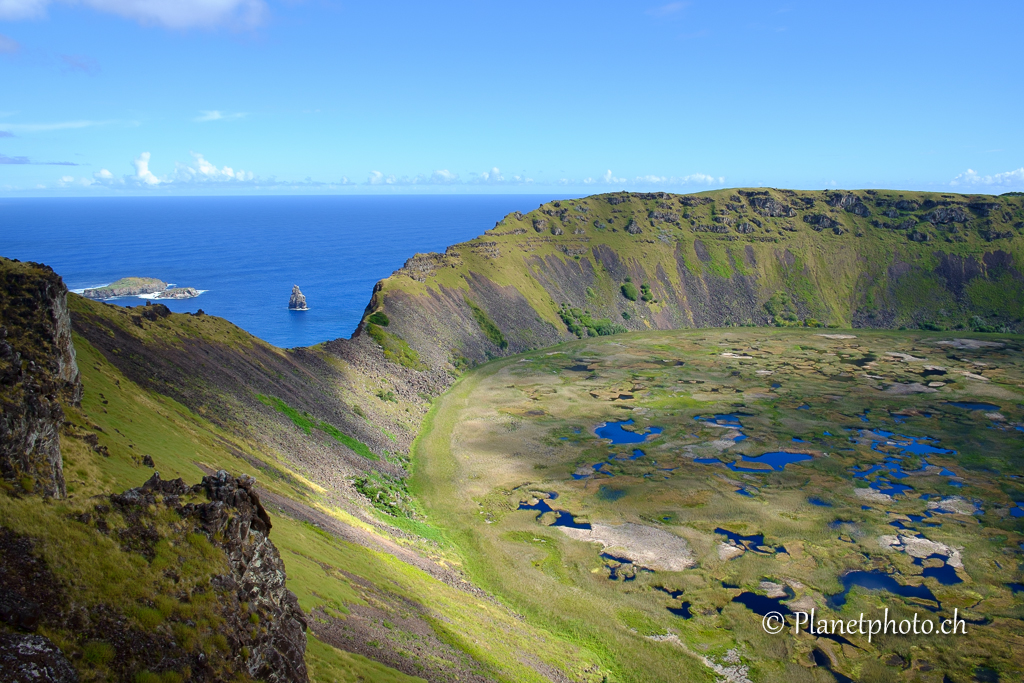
(101,97)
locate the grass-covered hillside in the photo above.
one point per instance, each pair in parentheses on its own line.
(605,263)
(127,588)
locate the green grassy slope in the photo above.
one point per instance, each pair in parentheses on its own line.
(381,589)
(880,259)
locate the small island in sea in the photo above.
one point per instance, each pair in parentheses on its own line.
(141,286)
(297,302)
(179,293)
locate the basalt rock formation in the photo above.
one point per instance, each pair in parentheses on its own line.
(235,520)
(236,584)
(298,300)
(25,657)
(37,372)
(179,293)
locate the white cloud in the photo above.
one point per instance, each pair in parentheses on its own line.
(202,171)
(693,179)
(439,177)
(216,115)
(609,178)
(70,181)
(444,177)
(496,177)
(1006,179)
(168,13)
(378,178)
(198,171)
(142,173)
(492,176)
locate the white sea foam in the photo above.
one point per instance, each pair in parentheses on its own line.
(82,290)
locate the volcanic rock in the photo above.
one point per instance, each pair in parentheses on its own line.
(298,301)
(37,371)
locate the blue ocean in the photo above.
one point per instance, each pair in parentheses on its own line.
(247,252)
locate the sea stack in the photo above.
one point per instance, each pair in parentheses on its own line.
(298,301)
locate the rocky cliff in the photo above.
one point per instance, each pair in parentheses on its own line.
(297,302)
(216,608)
(642,261)
(253,591)
(37,372)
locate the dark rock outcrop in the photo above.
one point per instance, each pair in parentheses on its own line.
(820,221)
(770,207)
(670,216)
(28,658)
(179,293)
(983,209)
(235,520)
(850,203)
(237,583)
(298,301)
(944,215)
(37,371)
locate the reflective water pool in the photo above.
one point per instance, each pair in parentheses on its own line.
(618,435)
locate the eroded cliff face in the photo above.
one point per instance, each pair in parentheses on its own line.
(219,609)
(37,372)
(270,647)
(880,259)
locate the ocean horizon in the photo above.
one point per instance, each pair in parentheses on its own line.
(245,253)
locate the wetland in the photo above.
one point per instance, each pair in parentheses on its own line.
(656,507)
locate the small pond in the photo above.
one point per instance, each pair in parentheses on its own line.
(878,580)
(967,405)
(562,518)
(615,432)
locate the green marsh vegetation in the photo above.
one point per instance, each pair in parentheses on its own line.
(515,430)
